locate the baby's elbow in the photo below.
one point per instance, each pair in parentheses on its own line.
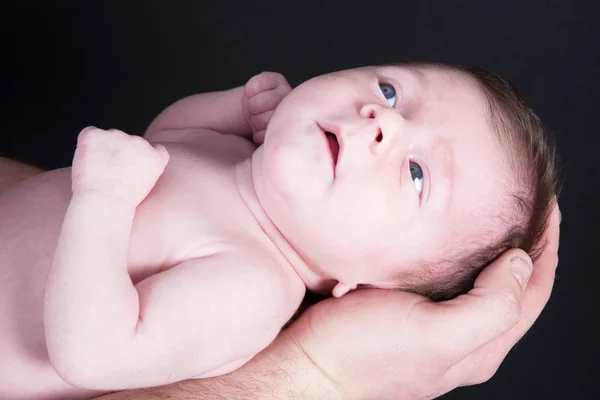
(263,336)
(82,369)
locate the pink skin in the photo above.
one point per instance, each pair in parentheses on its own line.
(363,202)
(298,192)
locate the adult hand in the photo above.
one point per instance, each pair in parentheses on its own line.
(376,344)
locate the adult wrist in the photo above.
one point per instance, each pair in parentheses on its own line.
(293,373)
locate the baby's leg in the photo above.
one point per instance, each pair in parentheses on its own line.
(91,305)
(13,172)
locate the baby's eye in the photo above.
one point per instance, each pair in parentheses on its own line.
(416,173)
(389,93)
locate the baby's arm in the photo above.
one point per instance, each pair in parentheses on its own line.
(242,111)
(102,332)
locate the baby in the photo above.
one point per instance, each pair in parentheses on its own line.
(147,263)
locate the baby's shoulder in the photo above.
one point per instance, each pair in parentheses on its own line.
(255,269)
(275,278)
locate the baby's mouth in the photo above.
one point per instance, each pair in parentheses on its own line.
(334,147)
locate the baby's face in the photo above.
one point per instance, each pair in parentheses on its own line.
(371,170)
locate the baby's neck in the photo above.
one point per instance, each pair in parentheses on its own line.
(245,184)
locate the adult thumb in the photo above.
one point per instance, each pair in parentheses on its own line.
(510,274)
(491,308)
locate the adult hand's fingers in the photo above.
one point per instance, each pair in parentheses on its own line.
(482,364)
(462,325)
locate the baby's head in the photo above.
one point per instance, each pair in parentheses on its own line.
(410,176)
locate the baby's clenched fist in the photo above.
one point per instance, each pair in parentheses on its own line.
(113,163)
(262,94)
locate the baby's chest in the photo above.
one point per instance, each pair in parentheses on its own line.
(194,210)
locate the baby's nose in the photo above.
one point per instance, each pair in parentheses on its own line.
(387,126)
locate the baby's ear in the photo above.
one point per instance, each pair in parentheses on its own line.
(341,289)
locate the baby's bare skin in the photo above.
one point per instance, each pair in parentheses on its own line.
(193,214)
(15,171)
(363,174)
(207,220)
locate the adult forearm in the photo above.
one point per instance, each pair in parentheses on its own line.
(218,111)
(280,372)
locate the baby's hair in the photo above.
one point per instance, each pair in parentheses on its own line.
(533,160)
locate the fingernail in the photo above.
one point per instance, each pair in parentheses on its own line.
(521,270)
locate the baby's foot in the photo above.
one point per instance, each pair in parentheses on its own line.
(116,164)
(262,94)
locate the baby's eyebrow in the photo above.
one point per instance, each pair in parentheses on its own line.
(443,172)
(419,76)
(417,92)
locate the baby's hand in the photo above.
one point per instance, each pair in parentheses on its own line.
(262,94)
(116,164)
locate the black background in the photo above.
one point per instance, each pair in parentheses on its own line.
(118,64)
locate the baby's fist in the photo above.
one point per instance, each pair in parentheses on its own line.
(262,94)
(115,164)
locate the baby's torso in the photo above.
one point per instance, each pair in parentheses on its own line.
(194,210)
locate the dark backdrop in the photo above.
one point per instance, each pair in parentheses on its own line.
(118,64)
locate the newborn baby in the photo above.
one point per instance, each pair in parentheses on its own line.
(147,264)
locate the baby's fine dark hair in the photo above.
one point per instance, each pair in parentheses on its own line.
(534,165)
